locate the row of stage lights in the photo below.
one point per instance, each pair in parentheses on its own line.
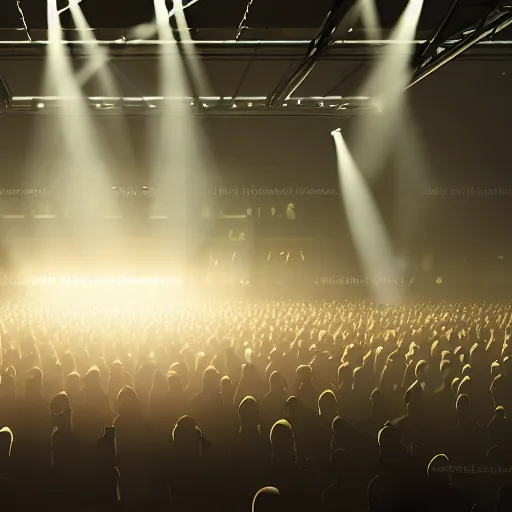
(273,256)
(103,281)
(336,104)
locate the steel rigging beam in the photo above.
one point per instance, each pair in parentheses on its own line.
(439,53)
(343,10)
(5,95)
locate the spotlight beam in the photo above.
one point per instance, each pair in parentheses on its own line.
(152,28)
(386,84)
(366,226)
(198,80)
(97,56)
(70,5)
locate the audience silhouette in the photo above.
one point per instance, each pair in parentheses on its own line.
(289,406)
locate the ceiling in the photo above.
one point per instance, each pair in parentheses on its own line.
(251,67)
(266,15)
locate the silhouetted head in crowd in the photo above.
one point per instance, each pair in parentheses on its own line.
(455,386)
(211,381)
(495,369)
(34,382)
(128,402)
(292,408)
(446,369)
(227,389)
(267,499)
(500,412)
(249,374)
(73,383)
(249,415)
(327,407)
(391,447)
(60,410)
(464,409)
(465,386)
(379,406)
(359,379)
(187,437)
(92,380)
(414,399)
(504,499)
(282,440)
(6,441)
(497,456)
(438,470)
(277,383)
(507,366)
(467,371)
(344,376)
(304,375)
(174,383)
(420,372)
(182,370)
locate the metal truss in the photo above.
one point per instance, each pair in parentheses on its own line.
(440,50)
(212,106)
(5,95)
(343,11)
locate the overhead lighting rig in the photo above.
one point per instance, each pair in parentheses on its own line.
(210,105)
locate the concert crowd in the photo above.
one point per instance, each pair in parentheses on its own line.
(256,405)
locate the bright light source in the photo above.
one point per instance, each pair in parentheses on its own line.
(40,105)
(334,132)
(249,104)
(151,105)
(105,281)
